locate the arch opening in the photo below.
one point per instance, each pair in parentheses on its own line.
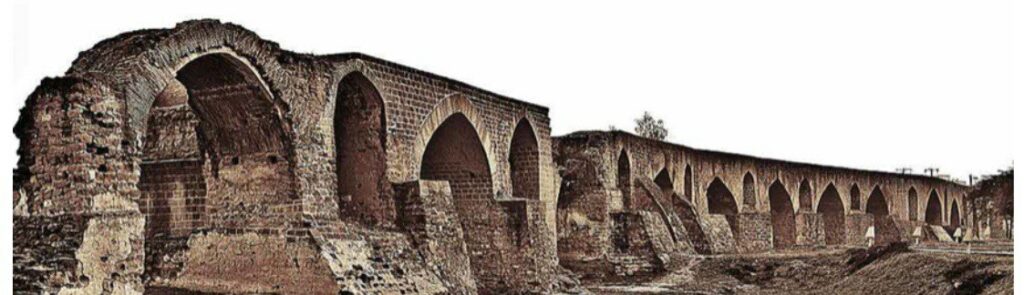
(749,193)
(688,183)
(933,211)
(783,217)
(954,215)
(623,178)
(721,201)
(360,140)
(524,162)
(855,198)
(215,155)
(664,182)
(456,154)
(806,196)
(877,205)
(912,204)
(830,206)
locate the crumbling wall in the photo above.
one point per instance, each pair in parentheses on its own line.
(754,232)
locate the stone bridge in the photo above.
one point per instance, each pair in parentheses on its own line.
(205,158)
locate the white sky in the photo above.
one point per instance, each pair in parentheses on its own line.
(864,84)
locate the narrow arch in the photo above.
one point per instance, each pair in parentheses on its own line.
(783,217)
(623,177)
(954,214)
(360,140)
(912,204)
(664,182)
(855,198)
(830,206)
(806,196)
(749,193)
(877,205)
(933,211)
(524,162)
(688,183)
(721,201)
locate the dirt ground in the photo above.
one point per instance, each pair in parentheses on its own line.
(880,270)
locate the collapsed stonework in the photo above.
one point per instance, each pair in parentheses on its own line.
(718,203)
(204,158)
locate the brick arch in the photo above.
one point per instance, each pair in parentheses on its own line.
(954,214)
(783,215)
(877,204)
(855,197)
(749,192)
(688,183)
(912,204)
(933,209)
(524,161)
(720,200)
(664,181)
(623,176)
(832,209)
(445,108)
(806,195)
(358,118)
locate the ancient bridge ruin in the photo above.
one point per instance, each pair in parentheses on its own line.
(203,157)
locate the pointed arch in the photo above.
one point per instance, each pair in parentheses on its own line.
(806,195)
(783,217)
(524,162)
(360,147)
(664,182)
(830,206)
(912,204)
(721,201)
(877,204)
(954,214)
(933,211)
(624,178)
(688,183)
(749,193)
(855,198)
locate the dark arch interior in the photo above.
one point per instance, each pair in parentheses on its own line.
(855,198)
(783,217)
(360,140)
(721,201)
(831,209)
(214,151)
(912,204)
(688,183)
(623,176)
(455,154)
(524,162)
(749,192)
(933,211)
(806,196)
(877,205)
(664,182)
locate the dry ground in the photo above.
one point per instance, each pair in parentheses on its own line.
(888,270)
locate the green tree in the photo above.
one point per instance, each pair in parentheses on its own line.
(648,126)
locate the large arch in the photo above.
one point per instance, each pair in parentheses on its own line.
(664,182)
(933,210)
(360,147)
(455,154)
(749,193)
(877,205)
(806,196)
(623,177)
(216,154)
(721,201)
(830,206)
(783,217)
(855,198)
(912,204)
(524,162)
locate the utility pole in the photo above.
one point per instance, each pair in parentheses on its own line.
(905,170)
(931,171)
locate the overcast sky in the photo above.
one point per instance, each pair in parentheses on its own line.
(865,84)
